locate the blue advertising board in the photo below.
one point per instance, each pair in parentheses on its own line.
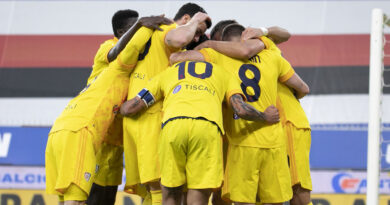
(23,145)
(330,149)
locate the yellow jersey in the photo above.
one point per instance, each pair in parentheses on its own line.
(98,103)
(194,89)
(259,78)
(290,109)
(151,62)
(101,61)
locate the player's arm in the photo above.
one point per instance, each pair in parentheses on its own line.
(183,35)
(241,50)
(248,112)
(132,106)
(151,22)
(190,55)
(300,87)
(275,33)
(143,100)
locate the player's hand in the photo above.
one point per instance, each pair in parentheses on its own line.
(173,58)
(271,114)
(205,44)
(153,22)
(200,17)
(250,33)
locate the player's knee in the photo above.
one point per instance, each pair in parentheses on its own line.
(154,185)
(198,196)
(172,192)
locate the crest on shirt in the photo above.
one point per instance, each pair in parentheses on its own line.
(177,89)
(87,176)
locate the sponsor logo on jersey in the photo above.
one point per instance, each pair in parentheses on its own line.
(177,89)
(87,176)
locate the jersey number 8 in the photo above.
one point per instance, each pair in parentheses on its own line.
(253,83)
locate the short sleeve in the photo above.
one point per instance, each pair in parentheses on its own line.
(100,61)
(233,87)
(162,34)
(154,87)
(101,55)
(210,55)
(286,71)
(269,44)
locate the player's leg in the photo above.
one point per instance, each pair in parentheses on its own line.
(204,167)
(217,194)
(74,195)
(61,200)
(198,196)
(217,198)
(96,195)
(239,203)
(148,154)
(109,168)
(301,196)
(274,181)
(130,127)
(155,192)
(74,174)
(299,141)
(173,146)
(241,184)
(172,195)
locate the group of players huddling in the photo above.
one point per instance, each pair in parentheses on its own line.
(202,116)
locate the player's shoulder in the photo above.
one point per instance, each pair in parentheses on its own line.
(109,42)
(165,29)
(168,27)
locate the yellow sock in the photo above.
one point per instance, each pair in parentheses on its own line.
(148,199)
(156,197)
(310,203)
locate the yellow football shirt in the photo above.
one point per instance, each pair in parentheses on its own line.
(96,106)
(101,61)
(259,78)
(194,89)
(290,109)
(151,62)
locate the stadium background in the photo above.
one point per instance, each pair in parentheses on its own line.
(47,50)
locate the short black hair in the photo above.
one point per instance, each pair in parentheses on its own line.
(218,28)
(120,17)
(232,30)
(190,9)
(193,44)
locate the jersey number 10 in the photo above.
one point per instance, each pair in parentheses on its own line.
(191,69)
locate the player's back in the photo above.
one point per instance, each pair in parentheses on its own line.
(97,104)
(290,108)
(259,78)
(194,89)
(152,61)
(100,61)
